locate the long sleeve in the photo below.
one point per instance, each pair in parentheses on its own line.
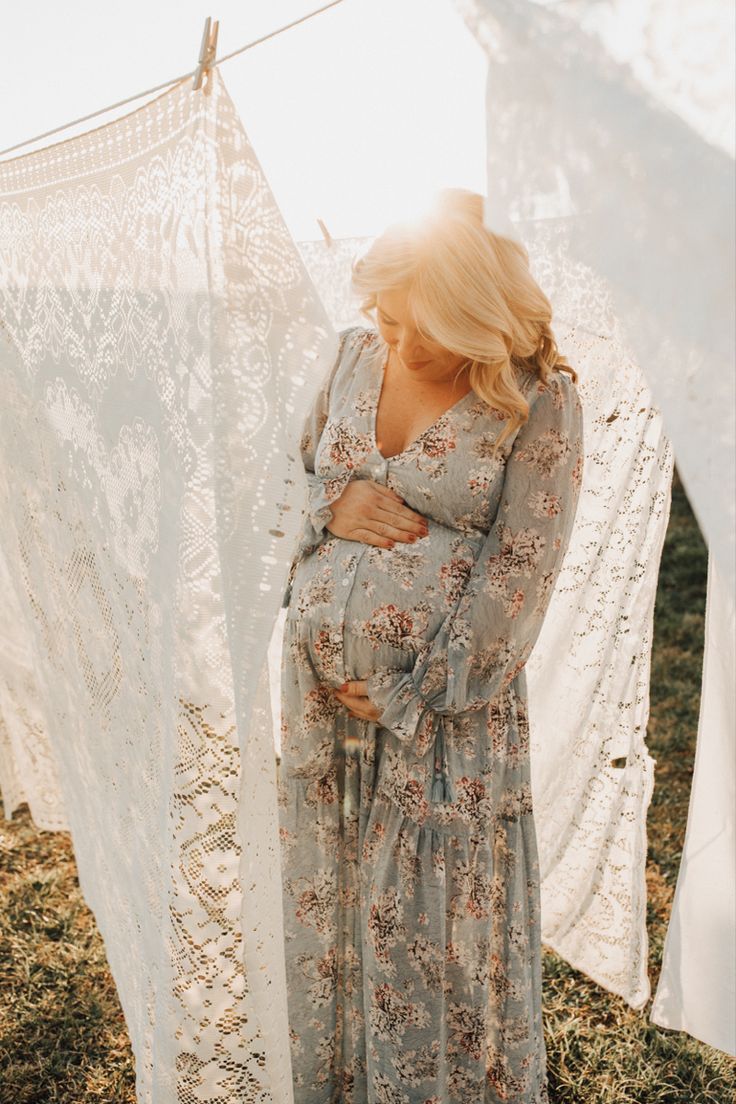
(320,494)
(487,638)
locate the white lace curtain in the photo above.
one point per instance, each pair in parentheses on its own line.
(159,341)
(611,155)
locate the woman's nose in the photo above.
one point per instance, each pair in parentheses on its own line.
(409,350)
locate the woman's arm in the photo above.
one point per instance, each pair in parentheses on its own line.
(486,640)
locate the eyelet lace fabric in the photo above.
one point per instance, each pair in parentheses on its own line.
(160,337)
(610,138)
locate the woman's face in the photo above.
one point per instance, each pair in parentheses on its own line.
(424,359)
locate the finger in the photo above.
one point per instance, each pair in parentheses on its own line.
(387,533)
(351,699)
(358,707)
(357,686)
(367,536)
(397,508)
(400,524)
(387,492)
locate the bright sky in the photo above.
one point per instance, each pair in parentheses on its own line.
(357,116)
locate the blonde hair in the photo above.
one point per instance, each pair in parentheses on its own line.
(471,291)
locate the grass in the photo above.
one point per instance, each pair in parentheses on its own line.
(62,1033)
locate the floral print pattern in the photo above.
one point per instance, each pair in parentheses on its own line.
(410,869)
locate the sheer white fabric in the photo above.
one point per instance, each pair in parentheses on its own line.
(160,341)
(697,987)
(642,179)
(610,154)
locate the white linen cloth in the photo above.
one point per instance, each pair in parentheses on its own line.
(160,339)
(698,980)
(611,156)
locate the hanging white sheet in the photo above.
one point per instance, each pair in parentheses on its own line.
(697,986)
(160,341)
(610,154)
(615,123)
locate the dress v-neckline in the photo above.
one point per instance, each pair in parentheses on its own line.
(382,362)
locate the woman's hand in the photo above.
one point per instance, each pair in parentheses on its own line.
(354,696)
(374,514)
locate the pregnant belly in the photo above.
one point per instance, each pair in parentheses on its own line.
(356,607)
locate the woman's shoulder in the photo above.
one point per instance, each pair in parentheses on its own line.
(558,390)
(356,346)
(354,339)
(555,404)
(351,342)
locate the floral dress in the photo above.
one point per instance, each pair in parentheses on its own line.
(410,870)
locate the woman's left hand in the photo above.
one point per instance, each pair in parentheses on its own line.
(354,696)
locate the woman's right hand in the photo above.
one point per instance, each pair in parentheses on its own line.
(374,514)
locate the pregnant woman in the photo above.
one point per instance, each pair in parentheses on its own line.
(444,457)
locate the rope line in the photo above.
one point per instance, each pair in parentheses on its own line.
(174,80)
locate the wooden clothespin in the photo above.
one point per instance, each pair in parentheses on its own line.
(207,53)
(325,233)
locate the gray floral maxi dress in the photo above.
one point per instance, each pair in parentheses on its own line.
(410,868)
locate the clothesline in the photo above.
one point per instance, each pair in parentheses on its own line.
(174,80)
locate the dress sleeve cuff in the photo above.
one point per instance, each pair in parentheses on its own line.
(319,511)
(316,517)
(402,707)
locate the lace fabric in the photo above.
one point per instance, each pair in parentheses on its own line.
(612,160)
(160,337)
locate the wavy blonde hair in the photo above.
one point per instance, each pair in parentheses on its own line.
(471,291)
